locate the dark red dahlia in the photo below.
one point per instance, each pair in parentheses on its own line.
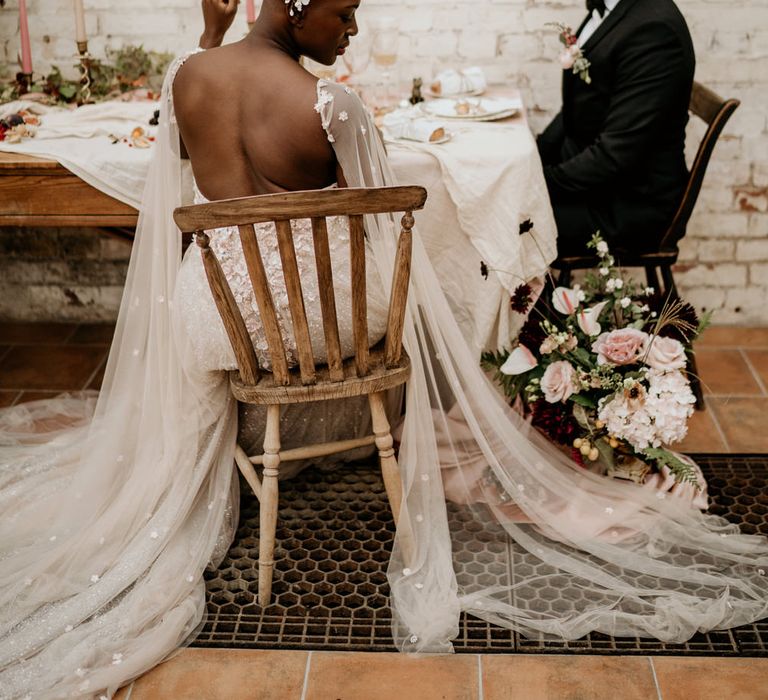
(531,334)
(555,420)
(686,316)
(521,299)
(689,318)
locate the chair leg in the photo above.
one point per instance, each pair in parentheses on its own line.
(390,471)
(652,278)
(670,288)
(268,504)
(693,377)
(247,470)
(384,443)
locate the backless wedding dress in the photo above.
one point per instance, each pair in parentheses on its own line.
(112,511)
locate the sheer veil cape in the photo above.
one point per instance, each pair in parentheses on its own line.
(543,548)
(112,508)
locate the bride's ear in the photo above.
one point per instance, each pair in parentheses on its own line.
(296,19)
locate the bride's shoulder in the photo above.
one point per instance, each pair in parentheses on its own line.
(336,99)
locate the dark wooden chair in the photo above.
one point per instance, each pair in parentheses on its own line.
(715,112)
(371,371)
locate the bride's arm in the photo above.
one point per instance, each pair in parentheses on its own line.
(218,16)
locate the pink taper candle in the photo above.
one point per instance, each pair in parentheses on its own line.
(79,22)
(26,49)
(250,12)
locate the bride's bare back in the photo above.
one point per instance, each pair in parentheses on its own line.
(245,110)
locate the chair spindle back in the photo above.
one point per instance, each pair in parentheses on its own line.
(281,209)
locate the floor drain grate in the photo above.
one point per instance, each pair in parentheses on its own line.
(330,588)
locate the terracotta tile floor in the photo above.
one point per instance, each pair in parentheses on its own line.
(299,675)
(38,360)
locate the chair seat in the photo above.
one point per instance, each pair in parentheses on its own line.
(266,392)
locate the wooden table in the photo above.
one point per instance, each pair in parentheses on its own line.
(40,192)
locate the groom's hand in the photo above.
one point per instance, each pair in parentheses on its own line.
(218,16)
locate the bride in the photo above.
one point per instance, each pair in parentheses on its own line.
(113,508)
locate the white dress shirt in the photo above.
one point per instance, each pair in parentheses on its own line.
(595,21)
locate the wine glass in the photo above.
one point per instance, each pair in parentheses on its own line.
(384,50)
(357,56)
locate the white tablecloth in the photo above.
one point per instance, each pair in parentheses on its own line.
(482,184)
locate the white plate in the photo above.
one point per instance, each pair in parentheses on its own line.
(489,117)
(473,93)
(486,109)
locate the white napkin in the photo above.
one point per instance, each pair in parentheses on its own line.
(453,82)
(409,123)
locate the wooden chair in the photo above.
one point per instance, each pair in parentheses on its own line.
(715,112)
(371,371)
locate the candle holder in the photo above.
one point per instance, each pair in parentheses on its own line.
(84,65)
(24,81)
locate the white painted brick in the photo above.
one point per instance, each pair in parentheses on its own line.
(731,225)
(747,303)
(714,249)
(713,275)
(750,251)
(757,226)
(758,275)
(704,298)
(478,45)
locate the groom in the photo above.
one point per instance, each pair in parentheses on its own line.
(614,156)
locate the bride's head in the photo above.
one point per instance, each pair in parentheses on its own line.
(320,29)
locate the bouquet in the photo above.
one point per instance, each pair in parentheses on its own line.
(603,372)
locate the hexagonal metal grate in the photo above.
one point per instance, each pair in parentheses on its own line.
(330,590)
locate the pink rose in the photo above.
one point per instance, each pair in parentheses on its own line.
(664,353)
(620,347)
(559,381)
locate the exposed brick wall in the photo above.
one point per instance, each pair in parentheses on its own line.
(61,274)
(724,262)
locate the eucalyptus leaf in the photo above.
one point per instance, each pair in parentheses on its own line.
(67,90)
(580,414)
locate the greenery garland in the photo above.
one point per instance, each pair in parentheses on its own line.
(125,69)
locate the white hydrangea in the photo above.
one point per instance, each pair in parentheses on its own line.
(658,418)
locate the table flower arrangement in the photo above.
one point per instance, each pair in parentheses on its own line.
(16,127)
(601,372)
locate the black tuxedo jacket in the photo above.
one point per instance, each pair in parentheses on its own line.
(618,143)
